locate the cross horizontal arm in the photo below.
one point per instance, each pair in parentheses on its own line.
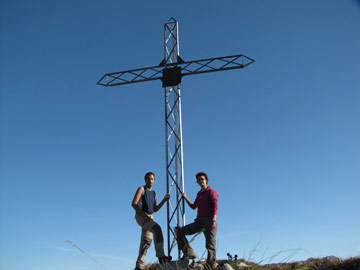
(215,64)
(187,68)
(131,76)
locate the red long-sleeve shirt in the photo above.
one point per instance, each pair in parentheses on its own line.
(206,202)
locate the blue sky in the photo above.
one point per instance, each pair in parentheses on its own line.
(279,139)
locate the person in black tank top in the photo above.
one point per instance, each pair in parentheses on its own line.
(144,203)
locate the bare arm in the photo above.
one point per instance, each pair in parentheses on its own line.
(191,205)
(157,207)
(135,202)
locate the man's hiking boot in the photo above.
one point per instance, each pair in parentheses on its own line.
(188,257)
(165,259)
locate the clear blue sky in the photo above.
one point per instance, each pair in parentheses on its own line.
(279,139)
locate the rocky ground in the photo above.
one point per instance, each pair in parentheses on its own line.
(327,263)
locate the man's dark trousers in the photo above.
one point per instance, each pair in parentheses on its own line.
(201,224)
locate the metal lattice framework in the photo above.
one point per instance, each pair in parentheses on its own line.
(187,68)
(173,131)
(170,71)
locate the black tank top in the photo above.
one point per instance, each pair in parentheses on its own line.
(147,201)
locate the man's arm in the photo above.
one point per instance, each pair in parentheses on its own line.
(135,203)
(191,205)
(157,207)
(214,201)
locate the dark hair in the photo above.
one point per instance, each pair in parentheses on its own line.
(148,174)
(202,174)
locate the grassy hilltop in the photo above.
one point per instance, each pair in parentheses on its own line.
(327,263)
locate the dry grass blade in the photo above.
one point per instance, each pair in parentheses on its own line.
(71,243)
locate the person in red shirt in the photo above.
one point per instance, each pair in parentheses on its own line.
(206,203)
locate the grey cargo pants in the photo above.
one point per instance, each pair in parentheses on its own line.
(149,229)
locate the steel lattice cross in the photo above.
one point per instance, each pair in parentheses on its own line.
(187,68)
(170,71)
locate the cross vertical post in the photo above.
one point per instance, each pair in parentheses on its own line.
(173,131)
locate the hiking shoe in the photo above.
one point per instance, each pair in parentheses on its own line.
(188,257)
(165,259)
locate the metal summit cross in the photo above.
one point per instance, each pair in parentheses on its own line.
(170,71)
